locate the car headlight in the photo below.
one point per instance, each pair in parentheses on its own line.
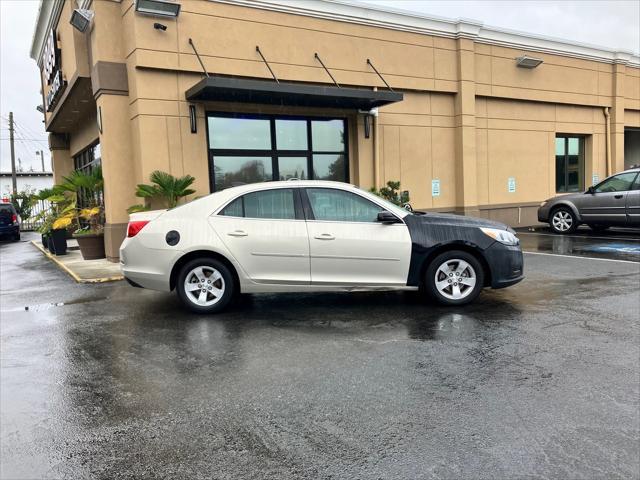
(502,236)
(544,203)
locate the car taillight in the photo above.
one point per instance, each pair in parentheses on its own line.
(135,227)
(14,218)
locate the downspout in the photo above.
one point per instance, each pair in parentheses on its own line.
(607,139)
(376,148)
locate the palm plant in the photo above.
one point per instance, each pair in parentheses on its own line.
(65,198)
(165,186)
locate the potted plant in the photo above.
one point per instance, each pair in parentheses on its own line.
(86,223)
(91,237)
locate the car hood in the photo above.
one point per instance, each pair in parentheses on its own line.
(458,220)
(567,196)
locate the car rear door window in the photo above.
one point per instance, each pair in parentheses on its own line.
(617,183)
(276,204)
(339,206)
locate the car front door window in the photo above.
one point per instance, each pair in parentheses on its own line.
(340,206)
(617,183)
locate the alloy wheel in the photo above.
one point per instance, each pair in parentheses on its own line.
(562,221)
(455,279)
(204,286)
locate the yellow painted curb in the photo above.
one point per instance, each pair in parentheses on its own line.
(73,275)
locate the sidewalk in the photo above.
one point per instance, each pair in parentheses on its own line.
(83,271)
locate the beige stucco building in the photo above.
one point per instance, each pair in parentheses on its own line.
(464,126)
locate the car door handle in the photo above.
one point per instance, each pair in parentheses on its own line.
(325,236)
(238,233)
(618,196)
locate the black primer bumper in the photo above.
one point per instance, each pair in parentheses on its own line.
(506,264)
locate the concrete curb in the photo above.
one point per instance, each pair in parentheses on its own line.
(71,272)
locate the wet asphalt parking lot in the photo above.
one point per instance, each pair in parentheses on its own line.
(541,380)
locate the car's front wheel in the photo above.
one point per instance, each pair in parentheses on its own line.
(205,285)
(563,221)
(454,278)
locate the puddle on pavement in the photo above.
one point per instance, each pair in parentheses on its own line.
(46,306)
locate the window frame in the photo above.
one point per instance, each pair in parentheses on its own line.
(581,162)
(274,152)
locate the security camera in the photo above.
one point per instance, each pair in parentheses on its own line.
(81,19)
(159,26)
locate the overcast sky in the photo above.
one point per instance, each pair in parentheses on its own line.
(613,24)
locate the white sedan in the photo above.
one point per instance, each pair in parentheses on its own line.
(313,236)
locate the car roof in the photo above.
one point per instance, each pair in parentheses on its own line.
(252,187)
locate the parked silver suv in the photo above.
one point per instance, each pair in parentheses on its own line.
(613,202)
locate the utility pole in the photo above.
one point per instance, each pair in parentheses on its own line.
(14,180)
(41,158)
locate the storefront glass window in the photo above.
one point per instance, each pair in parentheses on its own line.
(569,164)
(291,134)
(329,167)
(259,148)
(239,133)
(232,171)
(327,135)
(292,167)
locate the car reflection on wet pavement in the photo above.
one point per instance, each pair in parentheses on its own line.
(109,381)
(619,244)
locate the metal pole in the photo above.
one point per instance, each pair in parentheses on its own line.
(14,180)
(326,69)
(199,59)
(42,158)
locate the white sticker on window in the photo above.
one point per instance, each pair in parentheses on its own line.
(511,185)
(595,178)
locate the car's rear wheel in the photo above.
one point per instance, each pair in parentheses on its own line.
(563,221)
(16,237)
(454,278)
(205,285)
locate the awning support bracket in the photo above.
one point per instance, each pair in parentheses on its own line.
(379,74)
(267,64)
(326,69)
(199,59)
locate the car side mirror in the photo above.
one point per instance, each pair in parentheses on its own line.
(591,190)
(387,218)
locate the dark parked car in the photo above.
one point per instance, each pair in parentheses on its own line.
(613,202)
(9,222)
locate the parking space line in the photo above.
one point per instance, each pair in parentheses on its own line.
(588,237)
(583,258)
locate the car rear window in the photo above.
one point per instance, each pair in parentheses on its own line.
(275,204)
(6,209)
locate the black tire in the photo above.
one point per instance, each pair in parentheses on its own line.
(566,221)
(16,237)
(470,293)
(599,228)
(227,285)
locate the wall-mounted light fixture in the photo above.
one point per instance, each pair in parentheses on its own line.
(158,8)
(526,61)
(81,19)
(159,26)
(192,119)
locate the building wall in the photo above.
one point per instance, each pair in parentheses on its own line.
(470,118)
(24,183)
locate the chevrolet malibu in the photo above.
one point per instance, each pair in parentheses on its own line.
(312,235)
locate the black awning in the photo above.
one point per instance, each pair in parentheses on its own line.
(269,92)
